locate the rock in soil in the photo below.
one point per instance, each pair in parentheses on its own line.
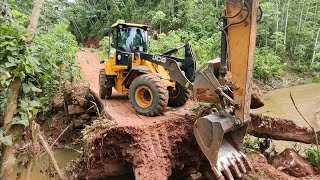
(262,170)
(257,97)
(71,93)
(85,116)
(76,109)
(290,162)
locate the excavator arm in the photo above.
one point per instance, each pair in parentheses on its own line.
(221,133)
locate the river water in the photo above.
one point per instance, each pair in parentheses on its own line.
(63,157)
(279,104)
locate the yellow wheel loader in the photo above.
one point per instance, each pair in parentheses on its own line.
(152,81)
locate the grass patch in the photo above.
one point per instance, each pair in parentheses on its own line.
(312,155)
(316,79)
(201,106)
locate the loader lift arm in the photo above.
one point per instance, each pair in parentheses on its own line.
(180,70)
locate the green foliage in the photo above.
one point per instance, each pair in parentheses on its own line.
(292,39)
(267,65)
(316,79)
(6,140)
(312,155)
(201,106)
(158,18)
(205,48)
(41,65)
(251,143)
(105,45)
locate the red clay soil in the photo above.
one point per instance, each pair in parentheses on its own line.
(91,42)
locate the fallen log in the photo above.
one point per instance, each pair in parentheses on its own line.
(280,129)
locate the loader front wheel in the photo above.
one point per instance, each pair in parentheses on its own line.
(178,96)
(148,95)
(104,92)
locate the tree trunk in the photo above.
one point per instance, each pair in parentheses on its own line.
(280,129)
(12,101)
(34,20)
(277,24)
(315,46)
(286,25)
(300,19)
(7,151)
(51,156)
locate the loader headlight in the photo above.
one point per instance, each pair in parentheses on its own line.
(140,48)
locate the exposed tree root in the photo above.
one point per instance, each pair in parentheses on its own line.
(280,129)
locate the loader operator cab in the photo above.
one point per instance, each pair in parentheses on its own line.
(128,38)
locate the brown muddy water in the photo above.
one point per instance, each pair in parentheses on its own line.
(63,157)
(279,104)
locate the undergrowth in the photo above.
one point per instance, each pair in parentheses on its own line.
(312,155)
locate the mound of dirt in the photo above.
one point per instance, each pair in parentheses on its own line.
(91,42)
(151,151)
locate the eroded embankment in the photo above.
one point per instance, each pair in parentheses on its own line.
(149,152)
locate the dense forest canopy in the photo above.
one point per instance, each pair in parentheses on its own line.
(288,32)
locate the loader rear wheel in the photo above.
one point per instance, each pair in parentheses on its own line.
(178,96)
(104,92)
(148,95)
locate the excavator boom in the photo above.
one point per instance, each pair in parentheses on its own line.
(220,134)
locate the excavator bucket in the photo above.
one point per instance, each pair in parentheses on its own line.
(219,140)
(219,135)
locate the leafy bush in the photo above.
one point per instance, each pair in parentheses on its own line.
(316,79)
(41,65)
(312,155)
(204,48)
(267,65)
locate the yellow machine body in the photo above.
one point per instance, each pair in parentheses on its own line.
(120,71)
(152,81)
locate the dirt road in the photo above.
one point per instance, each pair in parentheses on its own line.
(153,140)
(118,107)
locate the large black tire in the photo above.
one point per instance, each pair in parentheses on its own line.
(104,92)
(148,95)
(179,96)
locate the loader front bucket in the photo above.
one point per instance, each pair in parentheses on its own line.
(219,139)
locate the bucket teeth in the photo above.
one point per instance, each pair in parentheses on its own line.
(227,171)
(235,167)
(246,159)
(240,163)
(218,174)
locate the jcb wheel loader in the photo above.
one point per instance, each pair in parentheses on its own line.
(152,81)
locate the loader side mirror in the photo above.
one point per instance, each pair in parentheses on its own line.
(107,32)
(155,36)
